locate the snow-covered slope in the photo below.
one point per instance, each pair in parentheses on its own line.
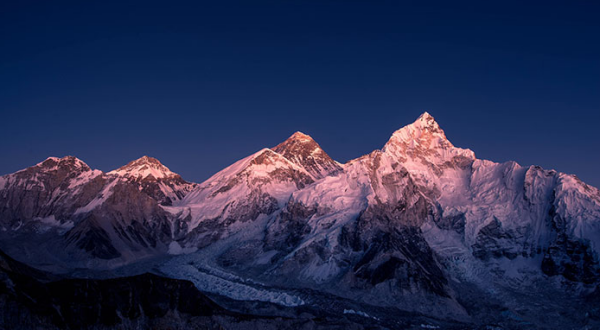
(258,185)
(264,179)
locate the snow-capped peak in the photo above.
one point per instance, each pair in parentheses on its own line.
(52,163)
(425,132)
(144,167)
(296,141)
(425,117)
(301,137)
(426,141)
(305,152)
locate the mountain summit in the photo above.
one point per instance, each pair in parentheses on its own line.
(425,132)
(144,167)
(305,152)
(64,162)
(154,179)
(426,142)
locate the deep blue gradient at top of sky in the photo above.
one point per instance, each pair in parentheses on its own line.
(200,85)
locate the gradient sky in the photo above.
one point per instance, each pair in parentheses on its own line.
(200,85)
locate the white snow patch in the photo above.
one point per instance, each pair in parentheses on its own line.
(175,248)
(51,222)
(361,313)
(99,200)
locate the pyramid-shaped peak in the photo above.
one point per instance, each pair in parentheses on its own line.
(303,151)
(297,142)
(426,120)
(424,126)
(422,133)
(425,115)
(300,137)
(143,167)
(424,137)
(145,160)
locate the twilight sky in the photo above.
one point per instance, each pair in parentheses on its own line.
(199,85)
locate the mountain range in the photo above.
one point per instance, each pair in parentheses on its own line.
(417,234)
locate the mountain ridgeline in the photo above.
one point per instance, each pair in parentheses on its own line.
(420,226)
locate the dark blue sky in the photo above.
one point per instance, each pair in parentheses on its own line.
(200,85)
